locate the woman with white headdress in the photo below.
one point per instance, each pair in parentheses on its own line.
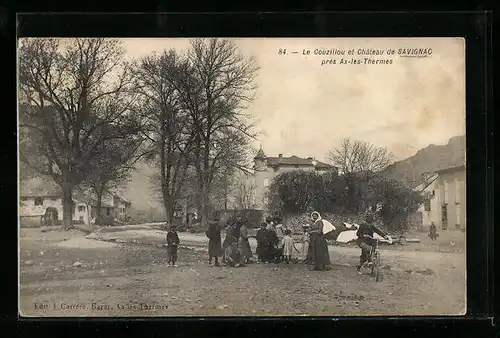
(318,244)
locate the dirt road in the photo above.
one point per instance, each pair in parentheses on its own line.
(64,274)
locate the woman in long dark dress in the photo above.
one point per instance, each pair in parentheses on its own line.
(214,242)
(319,245)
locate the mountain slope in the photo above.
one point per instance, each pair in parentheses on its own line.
(429,159)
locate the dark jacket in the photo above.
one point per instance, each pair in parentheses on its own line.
(172,238)
(368,229)
(213,233)
(272,238)
(214,243)
(261,236)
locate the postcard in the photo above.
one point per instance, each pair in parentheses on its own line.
(167,177)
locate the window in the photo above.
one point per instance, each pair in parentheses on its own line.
(108,212)
(427,205)
(81,208)
(81,218)
(444,212)
(53,199)
(38,201)
(446,191)
(296,166)
(266,182)
(433,192)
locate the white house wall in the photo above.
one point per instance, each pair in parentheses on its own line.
(432,215)
(28,208)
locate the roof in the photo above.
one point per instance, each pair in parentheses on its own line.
(122,199)
(449,169)
(425,179)
(39,187)
(44,186)
(295,160)
(260,154)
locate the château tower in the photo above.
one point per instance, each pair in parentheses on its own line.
(260,160)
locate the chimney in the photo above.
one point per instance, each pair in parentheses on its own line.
(280,155)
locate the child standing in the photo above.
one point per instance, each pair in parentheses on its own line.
(172,244)
(288,246)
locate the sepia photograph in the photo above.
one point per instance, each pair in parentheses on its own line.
(181,177)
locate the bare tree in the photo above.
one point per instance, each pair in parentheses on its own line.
(74,97)
(111,169)
(216,94)
(223,184)
(359,156)
(165,122)
(245,194)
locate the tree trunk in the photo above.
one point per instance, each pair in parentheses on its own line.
(169,210)
(98,208)
(67,206)
(204,204)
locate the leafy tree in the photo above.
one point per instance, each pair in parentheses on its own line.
(302,191)
(294,192)
(397,202)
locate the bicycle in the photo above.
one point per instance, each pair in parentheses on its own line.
(374,260)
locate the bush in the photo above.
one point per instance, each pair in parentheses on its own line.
(294,192)
(300,192)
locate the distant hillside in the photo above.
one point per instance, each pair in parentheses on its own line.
(429,159)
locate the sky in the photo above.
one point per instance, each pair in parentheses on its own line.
(304,108)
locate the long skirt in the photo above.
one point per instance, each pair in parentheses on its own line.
(320,253)
(214,248)
(260,251)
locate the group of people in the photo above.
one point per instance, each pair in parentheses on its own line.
(235,250)
(275,243)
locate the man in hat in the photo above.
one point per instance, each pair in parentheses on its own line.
(172,245)
(365,239)
(214,241)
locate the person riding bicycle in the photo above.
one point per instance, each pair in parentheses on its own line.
(366,240)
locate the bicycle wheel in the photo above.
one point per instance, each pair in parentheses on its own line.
(376,267)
